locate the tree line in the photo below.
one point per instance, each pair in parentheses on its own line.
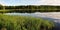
(32,8)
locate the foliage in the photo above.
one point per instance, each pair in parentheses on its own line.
(24,23)
(31,8)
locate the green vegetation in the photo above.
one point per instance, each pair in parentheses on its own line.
(24,23)
(31,8)
(6,11)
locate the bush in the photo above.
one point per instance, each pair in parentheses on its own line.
(24,23)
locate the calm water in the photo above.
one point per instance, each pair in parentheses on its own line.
(54,16)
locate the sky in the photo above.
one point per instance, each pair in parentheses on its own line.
(29,2)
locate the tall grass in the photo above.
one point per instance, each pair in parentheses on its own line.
(24,23)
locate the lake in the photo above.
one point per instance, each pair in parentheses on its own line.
(52,16)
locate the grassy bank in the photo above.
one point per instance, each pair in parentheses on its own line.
(24,23)
(6,11)
(25,11)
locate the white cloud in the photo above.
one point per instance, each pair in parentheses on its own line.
(2,3)
(31,2)
(51,2)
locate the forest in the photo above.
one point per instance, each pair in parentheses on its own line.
(31,8)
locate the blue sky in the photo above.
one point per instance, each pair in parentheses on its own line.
(29,2)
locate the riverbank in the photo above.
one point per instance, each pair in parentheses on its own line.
(51,16)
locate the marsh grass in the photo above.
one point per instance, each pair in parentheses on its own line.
(24,23)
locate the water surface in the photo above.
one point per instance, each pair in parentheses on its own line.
(54,16)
